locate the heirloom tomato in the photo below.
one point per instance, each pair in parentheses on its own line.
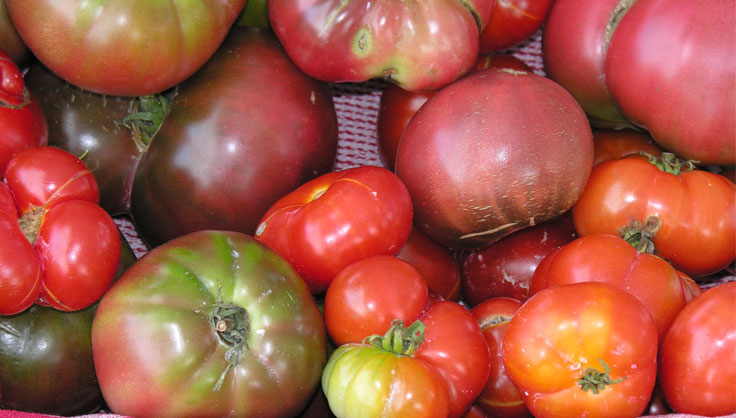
(689,214)
(434,367)
(513,21)
(337,219)
(62,249)
(494,152)
(106,47)
(699,351)
(242,132)
(418,45)
(211,323)
(22,121)
(365,297)
(582,349)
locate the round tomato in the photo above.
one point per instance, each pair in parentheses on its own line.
(208,324)
(582,349)
(106,47)
(337,219)
(492,153)
(690,214)
(434,367)
(671,69)
(66,246)
(435,262)
(22,121)
(699,351)
(419,45)
(513,21)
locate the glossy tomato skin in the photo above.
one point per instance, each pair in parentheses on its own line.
(699,351)
(435,262)
(475,175)
(662,56)
(513,21)
(501,397)
(172,306)
(506,267)
(419,46)
(22,121)
(106,48)
(244,131)
(562,331)
(694,207)
(337,219)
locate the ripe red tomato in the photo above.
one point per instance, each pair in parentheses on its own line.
(337,219)
(435,262)
(106,47)
(22,121)
(699,351)
(365,297)
(693,211)
(582,349)
(611,144)
(63,248)
(434,367)
(513,21)
(611,259)
(501,397)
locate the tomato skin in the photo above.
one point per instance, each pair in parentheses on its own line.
(105,48)
(336,219)
(694,207)
(10,41)
(562,330)
(513,21)
(699,351)
(612,144)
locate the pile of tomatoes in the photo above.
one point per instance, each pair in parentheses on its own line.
(547,242)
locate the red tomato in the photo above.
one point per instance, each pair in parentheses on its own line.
(337,219)
(22,121)
(368,295)
(694,210)
(435,262)
(582,349)
(609,258)
(513,21)
(697,361)
(610,144)
(65,249)
(501,397)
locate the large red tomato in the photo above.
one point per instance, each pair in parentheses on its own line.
(582,349)
(671,68)
(123,48)
(60,248)
(699,351)
(337,219)
(689,214)
(419,45)
(22,121)
(513,21)
(494,152)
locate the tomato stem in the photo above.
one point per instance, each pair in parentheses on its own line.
(146,114)
(399,339)
(669,163)
(641,235)
(595,380)
(231,325)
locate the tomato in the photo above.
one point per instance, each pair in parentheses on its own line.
(365,297)
(699,351)
(434,367)
(611,259)
(22,121)
(269,128)
(435,262)
(662,58)
(501,397)
(209,324)
(10,41)
(684,209)
(513,21)
(494,152)
(337,219)
(419,46)
(505,268)
(106,47)
(66,246)
(612,144)
(582,349)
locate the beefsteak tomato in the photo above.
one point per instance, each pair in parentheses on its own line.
(209,324)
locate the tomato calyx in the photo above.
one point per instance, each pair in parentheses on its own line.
(146,115)
(594,380)
(30,222)
(641,235)
(669,163)
(399,339)
(231,325)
